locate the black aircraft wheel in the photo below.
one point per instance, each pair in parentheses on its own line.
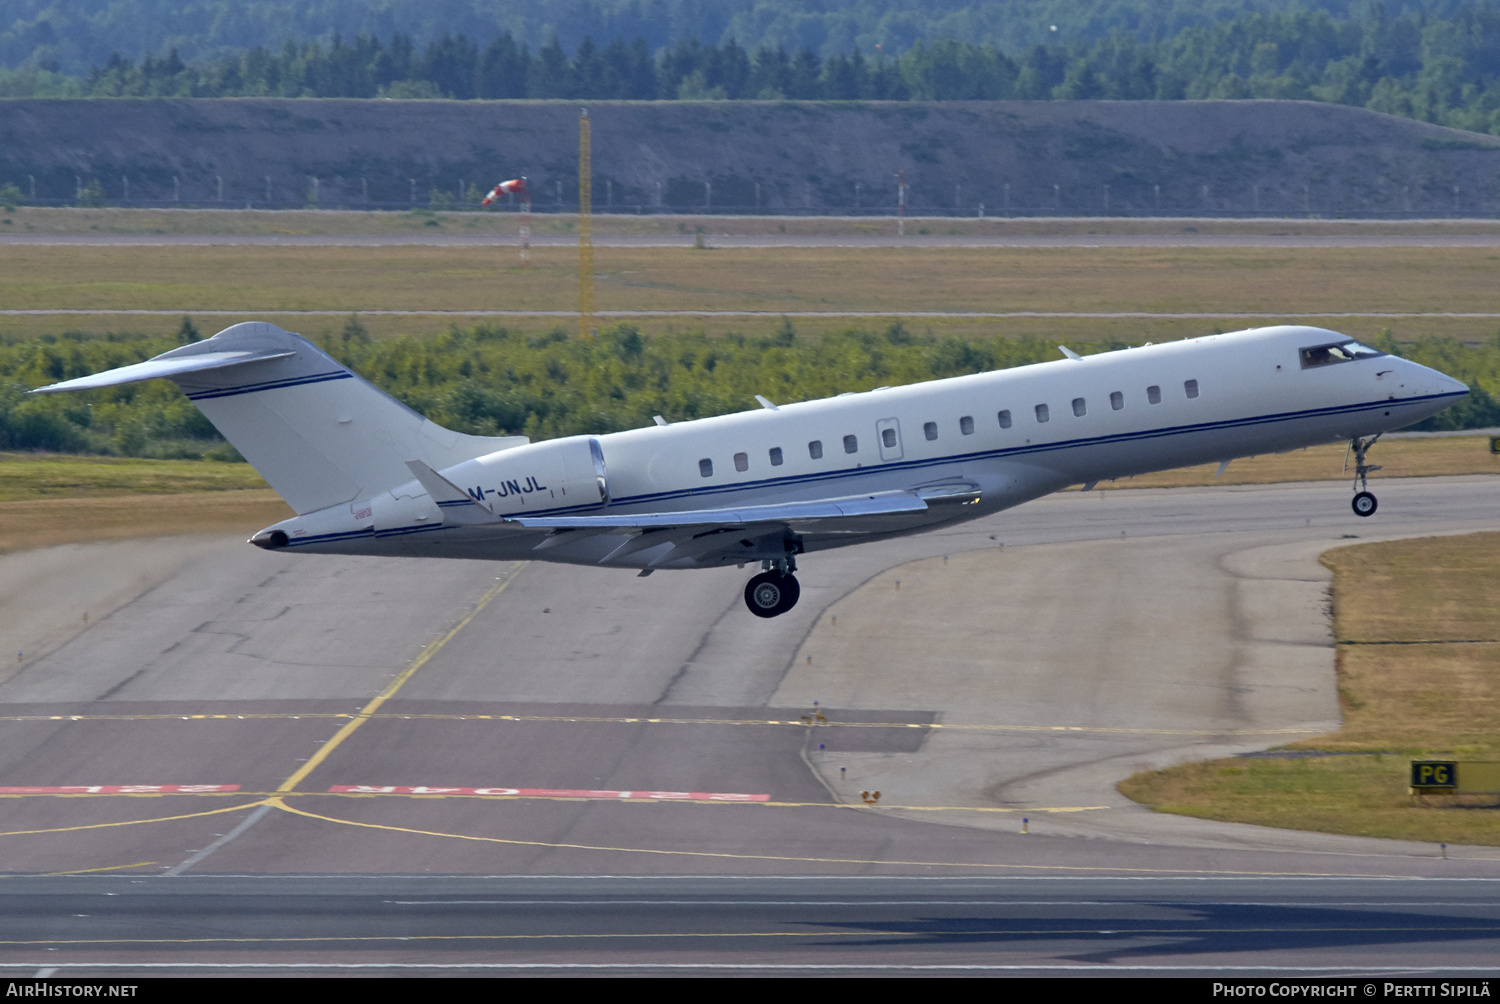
(771,593)
(791,593)
(1364,504)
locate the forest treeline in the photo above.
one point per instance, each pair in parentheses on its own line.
(70,36)
(490,380)
(1442,69)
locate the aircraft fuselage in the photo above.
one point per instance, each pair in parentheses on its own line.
(1011,435)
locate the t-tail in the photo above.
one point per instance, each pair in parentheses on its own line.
(319,434)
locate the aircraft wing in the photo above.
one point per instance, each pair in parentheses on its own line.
(700,530)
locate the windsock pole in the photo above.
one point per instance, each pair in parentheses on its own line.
(525,224)
(517,186)
(585,229)
(901,203)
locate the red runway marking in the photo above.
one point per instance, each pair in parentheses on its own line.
(678,796)
(118,789)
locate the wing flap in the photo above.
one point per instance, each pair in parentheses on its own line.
(791,513)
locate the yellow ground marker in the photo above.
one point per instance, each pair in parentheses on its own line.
(277,802)
(642,800)
(130,822)
(365,713)
(106,868)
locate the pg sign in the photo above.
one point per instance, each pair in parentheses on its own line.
(1434,774)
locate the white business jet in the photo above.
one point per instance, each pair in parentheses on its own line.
(367,475)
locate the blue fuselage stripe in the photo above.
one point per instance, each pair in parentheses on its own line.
(255,388)
(1014,451)
(1008,452)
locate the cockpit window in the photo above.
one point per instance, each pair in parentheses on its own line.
(1338,352)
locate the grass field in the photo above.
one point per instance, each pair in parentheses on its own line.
(1418,675)
(405,277)
(262,281)
(340,222)
(33,477)
(47,500)
(47,523)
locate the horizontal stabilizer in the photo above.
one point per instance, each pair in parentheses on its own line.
(162,366)
(440,488)
(456,505)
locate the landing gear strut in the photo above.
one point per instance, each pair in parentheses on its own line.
(1364,503)
(774,591)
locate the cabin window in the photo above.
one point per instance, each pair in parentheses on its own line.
(706,467)
(1004,417)
(775,456)
(1153,394)
(1041,413)
(930,430)
(815,449)
(1338,352)
(851,444)
(742,462)
(1191,387)
(966,425)
(1080,407)
(888,437)
(1116,400)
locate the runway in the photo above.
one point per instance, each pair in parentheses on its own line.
(369,719)
(732,926)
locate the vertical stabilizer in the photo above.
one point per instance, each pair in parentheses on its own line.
(318,434)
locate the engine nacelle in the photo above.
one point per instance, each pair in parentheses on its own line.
(558,474)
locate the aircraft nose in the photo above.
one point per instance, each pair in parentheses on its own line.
(1447,385)
(1435,382)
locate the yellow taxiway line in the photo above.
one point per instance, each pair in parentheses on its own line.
(290,784)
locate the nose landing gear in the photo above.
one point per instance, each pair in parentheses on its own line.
(1364,503)
(774,591)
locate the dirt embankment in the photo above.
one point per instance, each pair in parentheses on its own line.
(1086,158)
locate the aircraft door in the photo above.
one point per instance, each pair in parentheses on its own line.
(888,435)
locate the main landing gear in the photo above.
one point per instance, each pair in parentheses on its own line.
(774,591)
(1364,503)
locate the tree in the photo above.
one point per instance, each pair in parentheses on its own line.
(452,65)
(503,69)
(551,73)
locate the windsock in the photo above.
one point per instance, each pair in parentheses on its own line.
(515,186)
